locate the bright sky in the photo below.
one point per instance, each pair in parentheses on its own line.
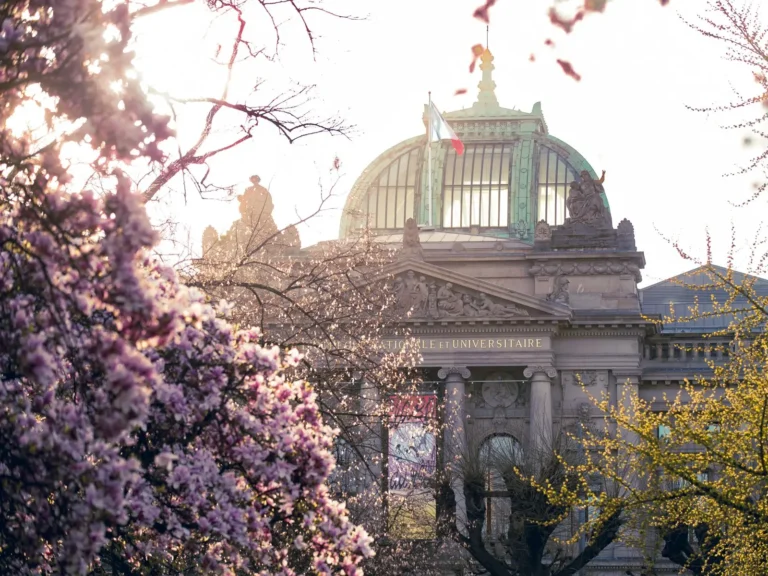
(640,66)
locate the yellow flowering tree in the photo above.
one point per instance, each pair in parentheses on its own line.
(692,479)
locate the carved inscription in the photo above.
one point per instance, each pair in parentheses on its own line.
(469,344)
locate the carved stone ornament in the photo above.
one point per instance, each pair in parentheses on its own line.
(550,268)
(586,377)
(559,292)
(487,398)
(625,235)
(542,232)
(462,371)
(502,394)
(531,370)
(428,299)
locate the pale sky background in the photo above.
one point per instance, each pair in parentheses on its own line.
(640,66)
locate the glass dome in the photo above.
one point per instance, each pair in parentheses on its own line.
(512,174)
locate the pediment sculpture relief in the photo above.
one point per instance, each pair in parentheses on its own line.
(428,298)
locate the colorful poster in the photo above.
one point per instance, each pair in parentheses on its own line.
(412,461)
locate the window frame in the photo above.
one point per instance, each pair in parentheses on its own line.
(571,175)
(385,196)
(498,187)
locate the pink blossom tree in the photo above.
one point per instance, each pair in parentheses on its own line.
(140,432)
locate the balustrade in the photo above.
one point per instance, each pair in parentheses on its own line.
(686,351)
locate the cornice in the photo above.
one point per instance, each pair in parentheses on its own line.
(424,328)
(587,255)
(601,332)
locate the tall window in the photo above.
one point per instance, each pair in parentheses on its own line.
(555,176)
(498,454)
(476,186)
(391,197)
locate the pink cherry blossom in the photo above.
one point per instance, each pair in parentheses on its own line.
(140,432)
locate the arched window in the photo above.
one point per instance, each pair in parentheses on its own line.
(497,453)
(391,197)
(555,176)
(476,186)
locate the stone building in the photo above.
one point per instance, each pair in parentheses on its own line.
(519,284)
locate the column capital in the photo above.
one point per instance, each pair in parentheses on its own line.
(531,370)
(462,371)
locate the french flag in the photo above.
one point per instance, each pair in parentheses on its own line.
(439,130)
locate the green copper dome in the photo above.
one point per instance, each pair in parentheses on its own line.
(512,174)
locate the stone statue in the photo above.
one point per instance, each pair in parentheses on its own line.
(412,294)
(560,291)
(411,234)
(448,301)
(256,205)
(585,204)
(420,293)
(485,304)
(255,228)
(411,241)
(398,287)
(432,310)
(470,308)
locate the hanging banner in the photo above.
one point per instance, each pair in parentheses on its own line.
(412,462)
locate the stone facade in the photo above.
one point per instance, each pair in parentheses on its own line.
(517,337)
(521,323)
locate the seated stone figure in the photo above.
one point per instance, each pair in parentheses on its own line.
(585,204)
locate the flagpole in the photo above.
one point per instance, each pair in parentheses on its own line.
(429,163)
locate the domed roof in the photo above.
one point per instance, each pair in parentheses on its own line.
(512,174)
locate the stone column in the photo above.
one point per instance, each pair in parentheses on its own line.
(540,427)
(627,390)
(455,413)
(455,440)
(370,406)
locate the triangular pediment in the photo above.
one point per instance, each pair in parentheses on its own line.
(429,292)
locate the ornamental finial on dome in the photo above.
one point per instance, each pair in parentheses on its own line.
(486,97)
(487,94)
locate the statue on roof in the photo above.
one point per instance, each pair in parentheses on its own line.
(411,241)
(585,202)
(560,292)
(256,204)
(252,230)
